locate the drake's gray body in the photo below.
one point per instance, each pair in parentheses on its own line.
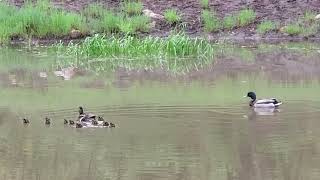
(263,103)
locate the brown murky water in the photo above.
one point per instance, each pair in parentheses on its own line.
(196,126)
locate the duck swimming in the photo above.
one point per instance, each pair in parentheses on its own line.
(84,116)
(47,121)
(79,125)
(105,123)
(71,122)
(94,122)
(262,103)
(112,125)
(65,121)
(25,121)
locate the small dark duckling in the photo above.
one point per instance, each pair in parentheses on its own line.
(105,123)
(47,121)
(112,125)
(65,121)
(79,125)
(94,122)
(71,122)
(100,118)
(26,121)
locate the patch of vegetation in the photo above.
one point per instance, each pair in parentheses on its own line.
(94,11)
(178,52)
(172,16)
(230,22)
(240,19)
(43,20)
(210,21)
(246,17)
(266,26)
(132,8)
(110,22)
(293,29)
(204,4)
(309,17)
(311,30)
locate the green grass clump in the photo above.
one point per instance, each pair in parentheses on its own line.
(38,20)
(210,21)
(204,4)
(229,22)
(176,53)
(94,11)
(309,17)
(110,22)
(310,30)
(240,19)
(176,45)
(172,16)
(266,26)
(132,8)
(246,17)
(293,29)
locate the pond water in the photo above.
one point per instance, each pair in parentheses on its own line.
(190,126)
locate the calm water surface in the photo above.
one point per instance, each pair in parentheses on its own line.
(193,127)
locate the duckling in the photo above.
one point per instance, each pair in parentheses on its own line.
(84,116)
(79,125)
(71,122)
(262,103)
(26,121)
(112,125)
(105,123)
(100,118)
(65,121)
(47,122)
(94,122)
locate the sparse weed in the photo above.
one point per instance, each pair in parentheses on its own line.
(246,17)
(132,8)
(172,16)
(210,21)
(94,11)
(293,29)
(229,22)
(204,4)
(266,26)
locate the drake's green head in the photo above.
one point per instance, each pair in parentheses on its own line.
(252,95)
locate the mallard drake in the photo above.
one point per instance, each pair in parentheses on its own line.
(85,116)
(262,103)
(71,122)
(47,122)
(65,121)
(26,121)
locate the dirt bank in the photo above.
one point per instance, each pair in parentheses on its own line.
(280,11)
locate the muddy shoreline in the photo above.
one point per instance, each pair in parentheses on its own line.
(281,11)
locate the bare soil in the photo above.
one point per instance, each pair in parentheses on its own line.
(281,11)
